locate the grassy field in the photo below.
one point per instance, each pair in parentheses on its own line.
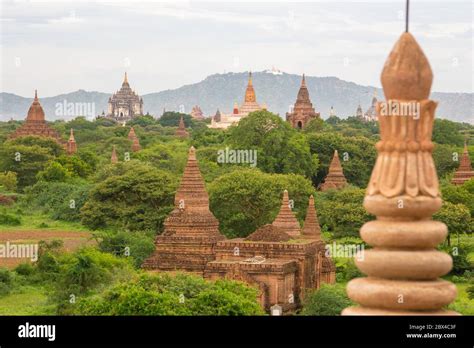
(43,221)
(26,300)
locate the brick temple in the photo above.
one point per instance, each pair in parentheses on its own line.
(125,104)
(280,259)
(132,136)
(335,178)
(181,131)
(35,124)
(303,110)
(464,171)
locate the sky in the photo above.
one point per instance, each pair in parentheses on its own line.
(62,46)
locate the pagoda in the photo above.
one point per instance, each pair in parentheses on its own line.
(335,178)
(464,171)
(132,136)
(404,266)
(71,146)
(311,228)
(303,110)
(35,124)
(285,219)
(250,101)
(196,113)
(114,158)
(181,131)
(125,104)
(190,230)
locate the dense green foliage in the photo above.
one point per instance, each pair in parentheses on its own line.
(327,300)
(181,294)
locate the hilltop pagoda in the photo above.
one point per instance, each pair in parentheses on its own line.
(464,171)
(71,146)
(35,124)
(335,178)
(303,110)
(285,219)
(181,131)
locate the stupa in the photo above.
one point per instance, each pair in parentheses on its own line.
(190,230)
(35,124)
(464,171)
(71,146)
(311,228)
(403,267)
(285,219)
(335,178)
(132,136)
(114,158)
(181,131)
(303,111)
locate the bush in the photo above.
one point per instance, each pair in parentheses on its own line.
(8,181)
(9,219)
(137,245)
(179,294)
(25,269)
(328,300)
(6,280)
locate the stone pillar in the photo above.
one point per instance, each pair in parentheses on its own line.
(403,267)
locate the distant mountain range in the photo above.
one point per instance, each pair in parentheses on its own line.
(219,91)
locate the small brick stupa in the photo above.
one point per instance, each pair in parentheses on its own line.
(311,228)
(71,146)
(35,124)
(335,178)
(181,131)
(191,230)
(464,171)
(114,158)
(132,136)
(285,219)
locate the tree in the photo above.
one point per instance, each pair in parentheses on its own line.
(8,181)
(54,172)
(246,199)
(357,155)
(142,120)
(341,212)
(456,216)
(444,157)
(327,300)
(171,119)
(447,132)
(25,161)
(280,148)
(131,196)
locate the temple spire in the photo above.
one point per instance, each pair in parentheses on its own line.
(311,228)
(114,158)
(125,78)
(36,95)
(335,178)
(285,219)
(71,147)
(303,81)
(181,131)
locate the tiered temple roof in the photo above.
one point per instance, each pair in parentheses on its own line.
(35,124)
(125,104)
(196,113)
(286,220)
(335,178)
(303,111)
(181,131)
(311,228)
(71,147)
(464,171)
